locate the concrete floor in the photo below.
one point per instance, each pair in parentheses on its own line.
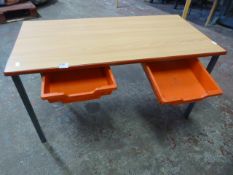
(127,133)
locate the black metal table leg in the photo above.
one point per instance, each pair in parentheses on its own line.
(209,68)
(212,63)
(19,85)
(189,110)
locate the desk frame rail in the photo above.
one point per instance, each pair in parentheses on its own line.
(24,97)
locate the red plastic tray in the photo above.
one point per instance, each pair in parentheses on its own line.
(77,85)
(181,81)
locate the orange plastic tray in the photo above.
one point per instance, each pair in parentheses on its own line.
(77,85)
(181,81)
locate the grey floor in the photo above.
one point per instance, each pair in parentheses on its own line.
(126,133)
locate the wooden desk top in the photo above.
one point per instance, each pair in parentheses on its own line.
(45,45)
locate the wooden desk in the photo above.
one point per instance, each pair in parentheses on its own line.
(43,46)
